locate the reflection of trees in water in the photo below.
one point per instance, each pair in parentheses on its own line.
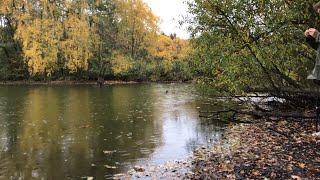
(11,101)
(39,151)
(126,125)
(64,130)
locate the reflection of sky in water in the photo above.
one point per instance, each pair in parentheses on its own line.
(61,132)
(178,117)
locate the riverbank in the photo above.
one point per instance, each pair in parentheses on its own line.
(64,82)
(264,150)
(61,83)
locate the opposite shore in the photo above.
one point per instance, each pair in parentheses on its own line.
(67,82)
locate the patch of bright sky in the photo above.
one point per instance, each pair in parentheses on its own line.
(170,13)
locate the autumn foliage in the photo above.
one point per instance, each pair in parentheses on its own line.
(86,40)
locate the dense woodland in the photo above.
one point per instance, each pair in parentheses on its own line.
(87,40)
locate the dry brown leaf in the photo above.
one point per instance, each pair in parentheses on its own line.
(295,177)
(302,165)
(256,173)
(110,167)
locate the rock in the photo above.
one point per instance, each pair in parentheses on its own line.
(138,168)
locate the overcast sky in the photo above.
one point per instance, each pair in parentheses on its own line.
(170,12)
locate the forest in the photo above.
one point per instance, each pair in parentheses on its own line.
(87,40)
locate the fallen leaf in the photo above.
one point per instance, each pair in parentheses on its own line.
(302,165)
(110,167)
(295,177)
(256,173)
(109,152)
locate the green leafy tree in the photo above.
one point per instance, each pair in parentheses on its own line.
(104,27)
(252,44)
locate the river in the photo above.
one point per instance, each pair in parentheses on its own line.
(72,132)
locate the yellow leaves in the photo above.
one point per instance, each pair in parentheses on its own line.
(40,43)
(168,66)
(121,64)
(43,38)
(76,46)
(6,6)
(171,49)
(65,36)
(138,26)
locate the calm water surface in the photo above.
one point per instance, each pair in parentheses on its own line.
(62,132)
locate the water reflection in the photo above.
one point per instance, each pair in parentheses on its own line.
(61,132)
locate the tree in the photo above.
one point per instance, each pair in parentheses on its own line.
(13,67)
(238,43)
(137,27)
(170,48)
(104,27)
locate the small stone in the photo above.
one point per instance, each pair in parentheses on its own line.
(138,168)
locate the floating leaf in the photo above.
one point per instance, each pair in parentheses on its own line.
(109,152)
(110,167)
